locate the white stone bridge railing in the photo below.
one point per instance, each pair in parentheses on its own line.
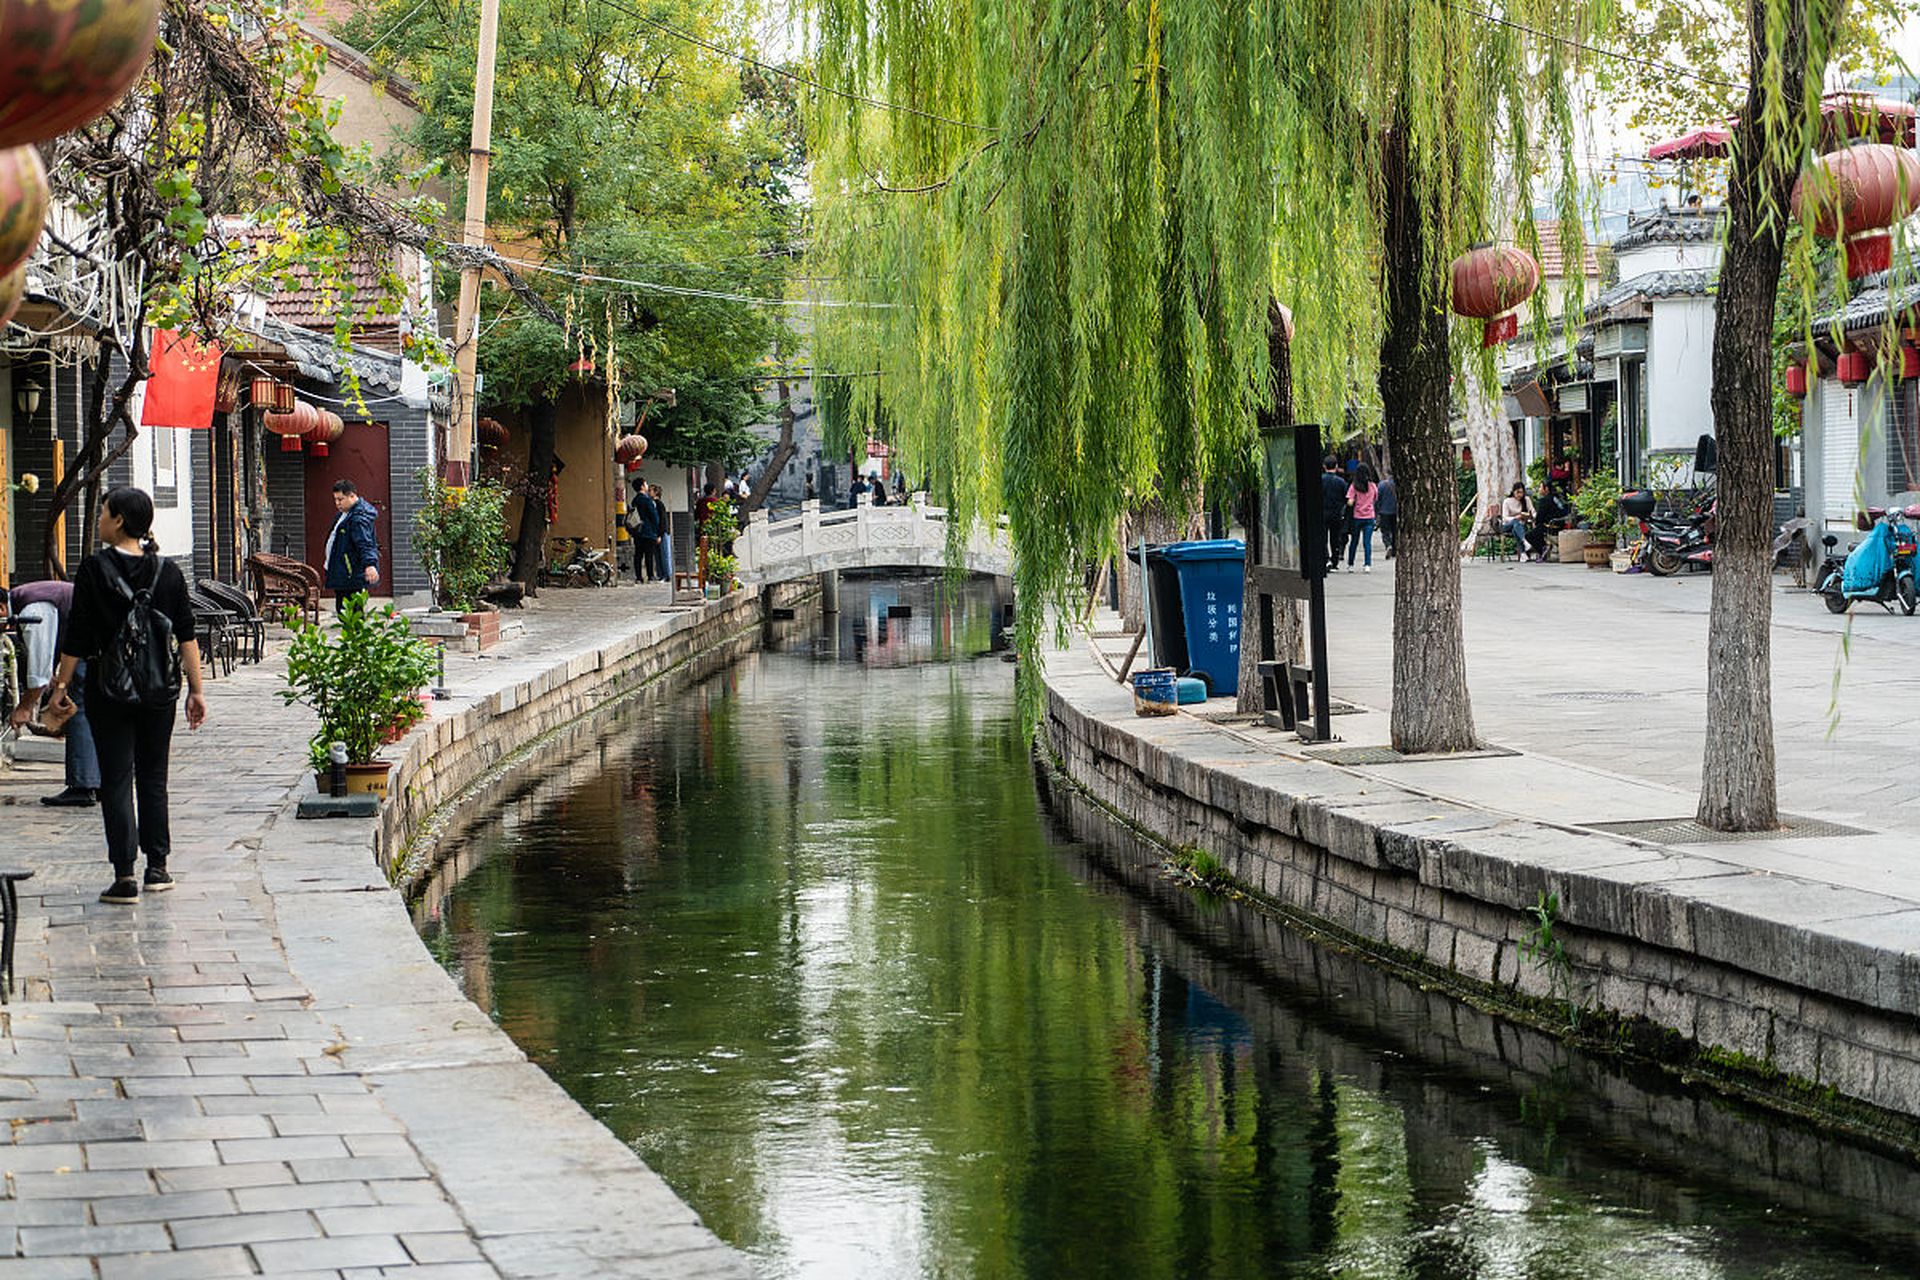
(913,536)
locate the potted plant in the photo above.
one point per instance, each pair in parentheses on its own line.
(1598,503)
(461,537)
(719,532)
(362,680)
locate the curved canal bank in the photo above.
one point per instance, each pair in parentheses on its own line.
(1787,988)
(803,936)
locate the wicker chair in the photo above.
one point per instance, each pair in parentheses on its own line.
(249,626)
(1491,541)
(281,582)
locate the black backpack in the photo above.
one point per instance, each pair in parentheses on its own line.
(140,663)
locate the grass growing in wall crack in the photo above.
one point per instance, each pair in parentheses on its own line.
(1197,864)
(1543,947)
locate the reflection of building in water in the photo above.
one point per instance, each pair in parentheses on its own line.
(895,621)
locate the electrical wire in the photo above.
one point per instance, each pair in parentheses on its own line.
(679,291)
(1652,64)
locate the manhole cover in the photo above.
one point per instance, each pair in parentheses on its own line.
(1687,831)
(1356,755)
(1597,695)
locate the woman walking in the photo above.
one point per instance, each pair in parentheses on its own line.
(132,624)
(1361,497)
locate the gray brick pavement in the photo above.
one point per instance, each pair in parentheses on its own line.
(183,1099)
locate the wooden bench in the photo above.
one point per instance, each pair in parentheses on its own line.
(281,582)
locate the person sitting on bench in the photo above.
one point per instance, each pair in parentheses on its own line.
(1517,517)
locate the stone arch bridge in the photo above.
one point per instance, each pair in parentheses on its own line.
(814,542)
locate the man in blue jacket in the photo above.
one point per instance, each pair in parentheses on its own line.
(353,549)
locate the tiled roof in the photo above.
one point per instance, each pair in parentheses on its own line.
(1668,228)
(1691,282)
(1870,306)
(302,301)
(1553,253)
(318,359)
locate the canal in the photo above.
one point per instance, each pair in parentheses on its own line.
(807,937)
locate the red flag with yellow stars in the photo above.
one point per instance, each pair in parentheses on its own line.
(186,375)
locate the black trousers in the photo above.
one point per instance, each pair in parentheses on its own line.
(646,559)
(134,744)
(1336,540)
(1390,529)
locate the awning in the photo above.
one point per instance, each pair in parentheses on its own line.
(1701,144)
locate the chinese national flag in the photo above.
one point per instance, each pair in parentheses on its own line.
(186,374)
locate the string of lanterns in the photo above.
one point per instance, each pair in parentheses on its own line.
(294,420)
(61,65)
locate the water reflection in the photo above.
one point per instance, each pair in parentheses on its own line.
(803,937)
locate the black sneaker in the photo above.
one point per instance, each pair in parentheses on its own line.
(157,880)
(71,798)
(123,893)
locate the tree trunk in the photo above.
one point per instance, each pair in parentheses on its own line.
(1431,708)
(1288,632)
(1737,777)
(782,453)
(92,458)
(530,550)
(1496,457)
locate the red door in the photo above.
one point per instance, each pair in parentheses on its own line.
(360,455)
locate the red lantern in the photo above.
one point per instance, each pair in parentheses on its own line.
(23,203)
(1862,189)
(492,434)
(260,391)
(284,425)
(580,368)
(305,417)
(1853,367)
(13,291)
(329,429)
(1797,381)
(1909,360)
(283,397)
(62,64)
(1491,280)
(631,448)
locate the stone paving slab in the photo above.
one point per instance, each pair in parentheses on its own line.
(263,1072)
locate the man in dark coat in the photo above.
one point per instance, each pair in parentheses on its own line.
(1333,509)
(353,548)
(644,521)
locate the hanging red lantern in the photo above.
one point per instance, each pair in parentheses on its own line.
(13,291)
(260,391)
(1858,193)
(284,425)
(283,397)
(631,448)
(1797,380)
(1909,361)
(1853,367)
(63,64)
(331,427)
(1489,281)
(305,417)
(492,434)
(23,203)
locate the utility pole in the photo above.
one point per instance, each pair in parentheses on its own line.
(466,338)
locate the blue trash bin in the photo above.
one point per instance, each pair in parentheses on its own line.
(1196,609)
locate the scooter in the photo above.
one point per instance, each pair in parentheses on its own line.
(1896,584)
(587,566)
(1668,545)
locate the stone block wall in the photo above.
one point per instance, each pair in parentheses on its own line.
(1790,977)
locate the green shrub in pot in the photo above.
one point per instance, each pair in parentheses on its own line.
(462,539)
(360,678)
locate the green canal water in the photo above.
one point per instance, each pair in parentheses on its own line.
(809,939)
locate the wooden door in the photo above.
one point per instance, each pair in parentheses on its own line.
(360,456)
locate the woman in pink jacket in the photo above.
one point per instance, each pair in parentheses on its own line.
(1361,496)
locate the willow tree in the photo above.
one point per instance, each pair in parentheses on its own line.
(1069,218)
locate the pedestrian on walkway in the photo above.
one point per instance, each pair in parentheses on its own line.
(1361,498)
(132,624)
(665,559)
(879,492)
(854,490)
(643,521)
(353,547)
(1333,509)
(1387,508)
(51,604)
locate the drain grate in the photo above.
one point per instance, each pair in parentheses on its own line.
(1687,831)
(1597,695)
(1356,755)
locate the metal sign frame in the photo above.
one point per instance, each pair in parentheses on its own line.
(1287,556)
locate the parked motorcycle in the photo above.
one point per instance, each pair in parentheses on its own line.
(1668,544)
(1890,536)
(585,566)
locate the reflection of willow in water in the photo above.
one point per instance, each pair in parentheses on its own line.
(802,937)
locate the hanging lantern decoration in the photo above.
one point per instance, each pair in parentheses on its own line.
(1909,364)
(631,448)
(13,291)
(63,64)
(260,391)
(1797,381)
(305,419)
(492,433)
(283,397)
(1853,367)
(330,429)
(1858,193)
(1489,281)
(24,195)
(283,425)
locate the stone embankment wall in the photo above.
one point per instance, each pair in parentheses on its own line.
(1796,992)
(458,751)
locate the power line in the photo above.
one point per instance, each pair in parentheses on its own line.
(794,76)
(1652,64)
(681,291)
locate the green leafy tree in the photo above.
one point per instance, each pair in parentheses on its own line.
(647,176)
(462,538)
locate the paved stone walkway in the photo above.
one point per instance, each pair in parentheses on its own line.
(263,1072)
